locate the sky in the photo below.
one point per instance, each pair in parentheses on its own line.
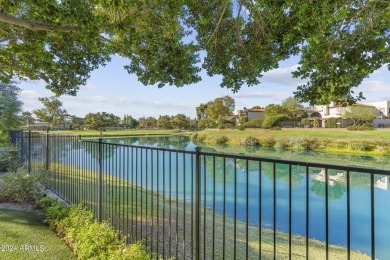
(112,89)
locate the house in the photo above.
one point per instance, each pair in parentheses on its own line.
(334,110)
(257,113)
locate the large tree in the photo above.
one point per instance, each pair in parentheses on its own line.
(98,121)
(340,42)
(216,109)
(180,121)
(129,121)
(164,122)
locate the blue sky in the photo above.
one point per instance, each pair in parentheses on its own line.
(113,90)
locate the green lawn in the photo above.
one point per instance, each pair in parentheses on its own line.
(305,132)
(24,236)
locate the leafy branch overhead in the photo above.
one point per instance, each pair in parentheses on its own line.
(340,42)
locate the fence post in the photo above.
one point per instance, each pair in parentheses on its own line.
(197,207)
(100,181)
(47,149)
(29,151)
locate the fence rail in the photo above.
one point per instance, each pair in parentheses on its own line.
(202,205)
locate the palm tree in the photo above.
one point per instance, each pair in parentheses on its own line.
(10,107)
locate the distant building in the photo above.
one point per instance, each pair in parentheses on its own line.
(39,126)
(258,113)
(333,110)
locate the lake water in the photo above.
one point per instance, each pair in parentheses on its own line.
(359,191)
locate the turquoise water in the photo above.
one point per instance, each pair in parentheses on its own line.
(182,176)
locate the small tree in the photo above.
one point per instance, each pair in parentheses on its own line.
(52,112)
(360,115)
(292,107)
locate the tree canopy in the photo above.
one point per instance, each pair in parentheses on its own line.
(340,42)
(98,121)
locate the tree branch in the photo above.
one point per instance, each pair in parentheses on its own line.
(219,22)
(36,26)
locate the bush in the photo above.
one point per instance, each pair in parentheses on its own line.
(241,128)
(250,141)
(331,123)
(271,121)
(55,212)
(304,143)
(198,137)
(275,128)
(360,128)
(282,143)
(20,187)
(221,139)
(305,122)
(360,146)
(254,123)
(315,123)
(91,239)
(10,159)
(267,142)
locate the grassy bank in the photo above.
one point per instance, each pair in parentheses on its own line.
(328,140)
(24,236)
(172,224)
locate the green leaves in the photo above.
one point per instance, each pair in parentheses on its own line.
(340,42)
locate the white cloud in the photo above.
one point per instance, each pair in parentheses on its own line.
(29,94)
(89,86)
(282,76)
(374,86)
(277,95)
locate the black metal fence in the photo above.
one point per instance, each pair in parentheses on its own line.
(201,205)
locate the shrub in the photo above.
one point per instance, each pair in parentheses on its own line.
(282,143)
(20,187)
(360,128)
(271,121)
(360,146)
(304,143)
(198,137)
(250,141)
(220,139)
(315,123)
(254,123)
(55,212)
(305,122)
(91,239)
(267,142)
(275,128)
(10,159)
(331,123)
(241,128)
